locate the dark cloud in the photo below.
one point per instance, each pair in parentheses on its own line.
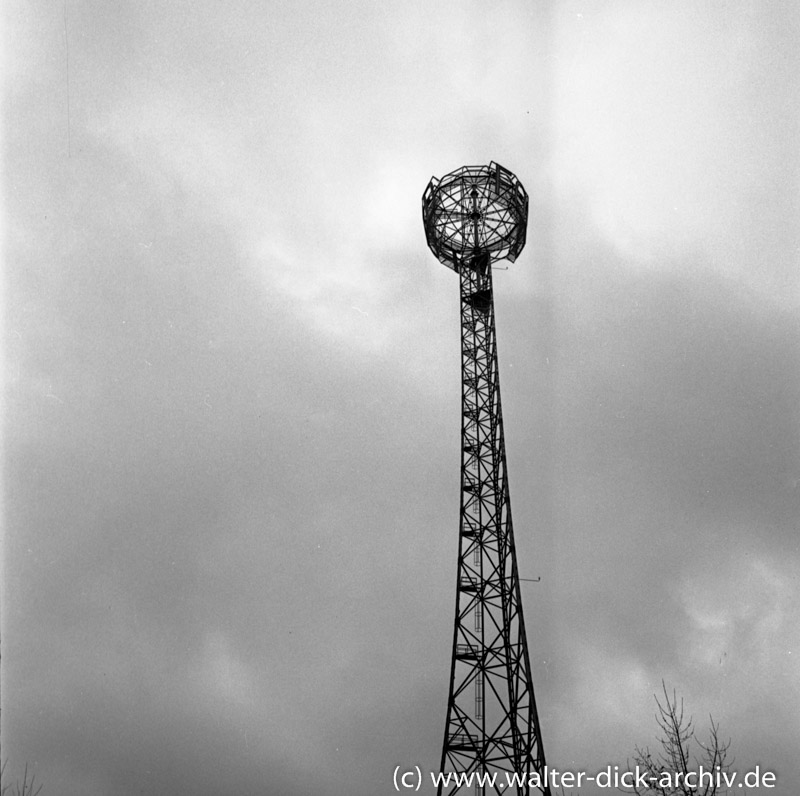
(215,513)
(231,480)
(695,382)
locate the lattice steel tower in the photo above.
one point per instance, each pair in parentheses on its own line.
(473,216)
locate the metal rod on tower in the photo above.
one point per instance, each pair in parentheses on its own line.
(472,217)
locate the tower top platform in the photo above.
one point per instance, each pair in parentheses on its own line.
(475,210)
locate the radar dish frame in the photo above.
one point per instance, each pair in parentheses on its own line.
(475,208)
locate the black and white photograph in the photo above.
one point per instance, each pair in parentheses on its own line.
(268,268)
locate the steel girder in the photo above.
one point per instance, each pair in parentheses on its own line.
(492,723)
(473,216)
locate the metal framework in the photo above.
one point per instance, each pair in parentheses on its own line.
(473,216)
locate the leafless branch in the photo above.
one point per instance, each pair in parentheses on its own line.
(27,787)
(677,757)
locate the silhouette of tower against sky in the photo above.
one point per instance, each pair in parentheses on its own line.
(473,217)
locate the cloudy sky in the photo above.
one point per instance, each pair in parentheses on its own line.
(232,397)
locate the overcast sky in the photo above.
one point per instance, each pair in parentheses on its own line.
(232,401)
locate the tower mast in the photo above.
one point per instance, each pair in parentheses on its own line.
(473,216)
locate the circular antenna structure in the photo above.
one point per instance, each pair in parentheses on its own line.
(475,209)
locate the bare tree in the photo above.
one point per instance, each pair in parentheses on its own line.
(675,770)
(25,788)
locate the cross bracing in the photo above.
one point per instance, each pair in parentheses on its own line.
(473,216)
